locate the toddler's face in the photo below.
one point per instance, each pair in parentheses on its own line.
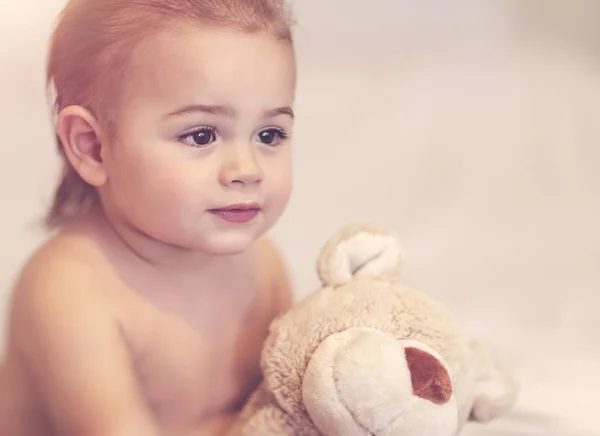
(202,157)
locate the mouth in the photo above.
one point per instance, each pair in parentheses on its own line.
(237,213)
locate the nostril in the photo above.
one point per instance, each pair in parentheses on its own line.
(430,379)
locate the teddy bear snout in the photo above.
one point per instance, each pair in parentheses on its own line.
(365,382)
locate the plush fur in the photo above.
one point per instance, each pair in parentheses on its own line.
(365,355)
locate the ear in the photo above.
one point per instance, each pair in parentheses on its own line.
(81,138)
(358,250)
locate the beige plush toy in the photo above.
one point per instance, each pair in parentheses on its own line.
(365,355)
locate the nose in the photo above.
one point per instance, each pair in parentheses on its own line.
(240,167)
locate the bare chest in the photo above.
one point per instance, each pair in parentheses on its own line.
(193,358)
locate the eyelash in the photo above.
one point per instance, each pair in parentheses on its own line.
(281,134)
(208,129)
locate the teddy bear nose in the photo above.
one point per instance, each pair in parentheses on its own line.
(363,382)
(429,379)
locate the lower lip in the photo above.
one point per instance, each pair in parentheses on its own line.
(236,215)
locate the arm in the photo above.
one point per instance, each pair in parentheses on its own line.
(75,355)
(261,416)
(258,416)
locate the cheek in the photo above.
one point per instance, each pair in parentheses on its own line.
(162,183)
(280,179)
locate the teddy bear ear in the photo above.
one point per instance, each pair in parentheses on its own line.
(359,250)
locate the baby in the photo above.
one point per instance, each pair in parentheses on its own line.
(145,313)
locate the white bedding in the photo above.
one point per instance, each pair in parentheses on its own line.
(470,127)
(480,144)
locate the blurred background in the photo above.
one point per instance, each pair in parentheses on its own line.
(470,127)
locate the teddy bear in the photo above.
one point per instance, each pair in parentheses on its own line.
(367,355)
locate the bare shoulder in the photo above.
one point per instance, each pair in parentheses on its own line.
(275,271)
(64,261)
(59,317)
(58,279)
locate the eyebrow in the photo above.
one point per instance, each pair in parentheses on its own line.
(226,111)
(286,110)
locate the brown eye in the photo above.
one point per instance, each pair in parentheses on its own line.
(271,136)
(200,138)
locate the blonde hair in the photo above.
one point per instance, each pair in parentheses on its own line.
(88,62)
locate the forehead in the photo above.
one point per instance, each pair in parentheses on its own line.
(213,66)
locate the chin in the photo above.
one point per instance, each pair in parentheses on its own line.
(229,243)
